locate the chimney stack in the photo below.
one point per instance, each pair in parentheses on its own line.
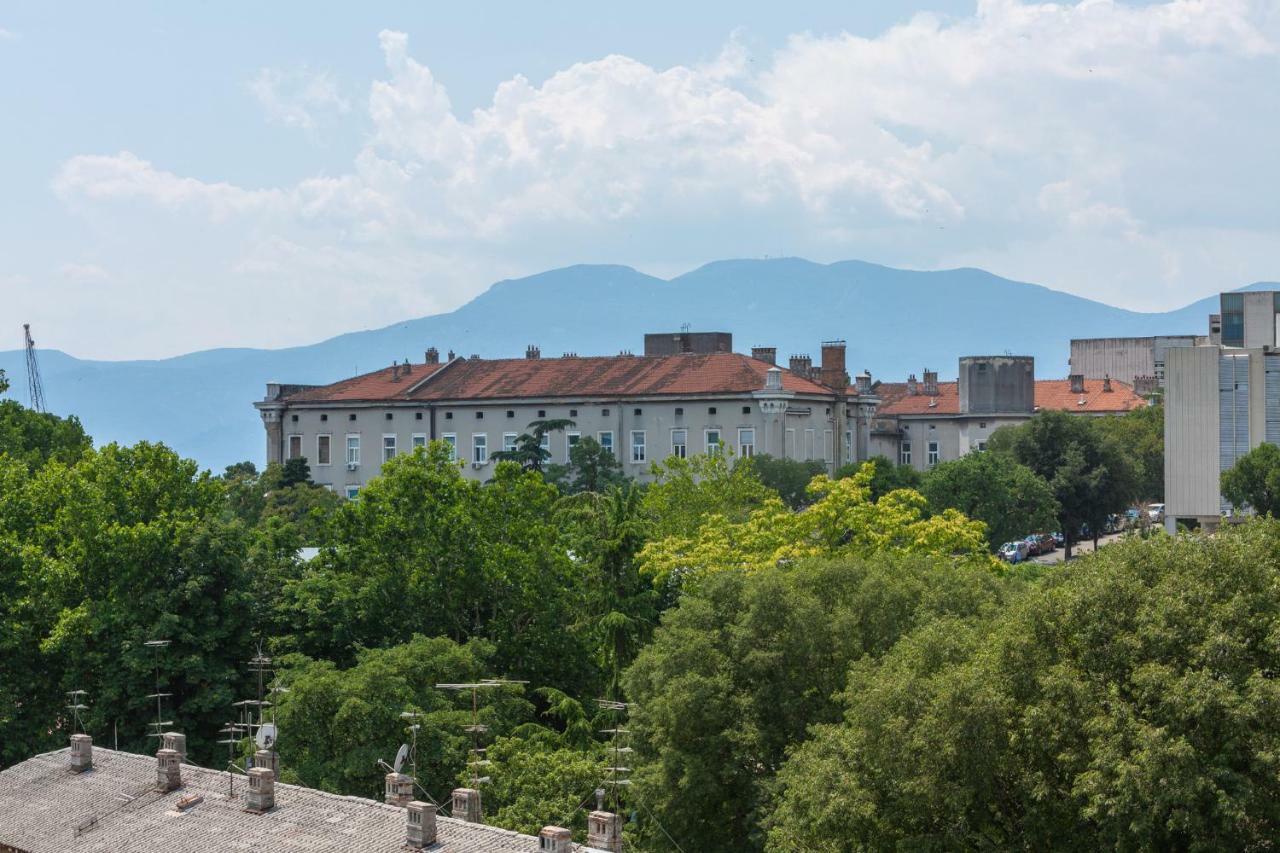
(176,741)
(395,371)
(420,824)
(168,770)
(433,356)
(1106,384)
(802,366)
(269,759)
(604,831)
(1077,383)
(833,372)
(767,354)
(399,790)
(931,383)
(913,388)
(451,356)
(864,382)
(531,352)
(262,790)
(466,805)
(555,839)
(81,753)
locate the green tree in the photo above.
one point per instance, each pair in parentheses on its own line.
(34,438)
(1140,434)
(790,478)
(994,489)
(294,472)
(886,476)
(591,468)
(1254,480)
(529,452)
(745,664)
(685,491)
(1090,475)
(1127,701)
(4,382)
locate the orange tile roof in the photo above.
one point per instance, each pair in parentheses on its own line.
(378,385)
(1050,394)
(597,376)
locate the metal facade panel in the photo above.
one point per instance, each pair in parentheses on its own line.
(1272,400)
(1233,412)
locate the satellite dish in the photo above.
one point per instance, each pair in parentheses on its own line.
(401,756)
(266,737)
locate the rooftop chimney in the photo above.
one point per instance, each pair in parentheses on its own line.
(604,831)
(420,824)
(773,379)
(1144,386)
(864,382)
(168,770)
(931,383)
(81,753)
(913,387)
(801,365)
(769,354)
(555,839)
(1106,384)
(532,352)
(399,790)
(833,372)
(176,741)
(395,371)
(269,759)
(261,796)
(466,805)
(433,356)
(451,356)
(1077,383)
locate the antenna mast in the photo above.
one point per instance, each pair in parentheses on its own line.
(35,388)
(75,704)
(619,775)
(478,759)
(161,723)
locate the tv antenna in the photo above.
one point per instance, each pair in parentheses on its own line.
(161,723)
(35,388)
(478,761)
(75,704)
(618,777)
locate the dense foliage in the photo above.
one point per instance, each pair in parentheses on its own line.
(992,488)
(1254,481)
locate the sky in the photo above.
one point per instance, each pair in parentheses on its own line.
(180,176)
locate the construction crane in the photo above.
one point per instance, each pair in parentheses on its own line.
(35,388)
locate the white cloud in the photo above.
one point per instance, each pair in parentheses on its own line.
(7,35)
(298,97)
(1092,146)
(84,273)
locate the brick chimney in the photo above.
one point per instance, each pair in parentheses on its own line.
(176,741)
(767,354)
(604,831)
(420,824)
(433,356)
(81,753)
(801,365)
(531,352)
(399,790)
(555,839)
(395,371)
(833,372)
(913,387)
(168,770)
(261,796)
(931,383)
(466,805)
(1106,384)
(1077,383)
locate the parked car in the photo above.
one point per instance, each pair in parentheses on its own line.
(1047,543)
(1034,548)
(1059,539)
(1156,512)
(1013,552)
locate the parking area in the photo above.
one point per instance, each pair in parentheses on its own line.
(1076,550)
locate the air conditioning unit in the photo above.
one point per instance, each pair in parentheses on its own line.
(351,466)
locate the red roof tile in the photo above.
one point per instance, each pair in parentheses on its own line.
(1050,394)
(602,376)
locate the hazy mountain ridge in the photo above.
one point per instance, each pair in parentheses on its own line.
(895,322)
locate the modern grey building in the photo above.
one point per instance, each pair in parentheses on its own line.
(701,398)
(1139,362)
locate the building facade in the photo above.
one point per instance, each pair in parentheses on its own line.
(702,399)
(922,423)
(1139,362)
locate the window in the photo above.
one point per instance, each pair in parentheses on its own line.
(982,445)
(606,440)
(388,416)
(637,412)
(323,449)
(508,441)
(419,439)
(711,410)
(573,413)
(353,450)
(790,449)
(545,443)
(904,452)
(324,418)
(479,416)
(295,446)
(542,413)
(747,442)
(417,416)
(637,445)
(604,413)
(933,453)
(712,439)
(353,492)
(573,438)
(828,445)
(982,424)
(848,445)
(679,443)
(448,416)
(679,411)
(451,439)
(511,413)
(479,448)
(388,448)
(746,410)
(295,418)
(811,444)
(351,417)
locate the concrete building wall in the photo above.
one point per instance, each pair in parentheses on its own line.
(675,343)
(1259,319)
(954,435)
(1191,459)
(997,384)
(1127,358)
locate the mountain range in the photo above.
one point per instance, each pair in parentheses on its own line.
(895,322)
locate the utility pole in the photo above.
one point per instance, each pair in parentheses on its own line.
(35,388)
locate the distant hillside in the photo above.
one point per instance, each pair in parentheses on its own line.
(895,321)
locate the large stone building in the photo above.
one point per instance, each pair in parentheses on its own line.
(923,422)
(1221,401)
(689,393)
(1139,362)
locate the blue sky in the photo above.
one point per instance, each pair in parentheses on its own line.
(182,176)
